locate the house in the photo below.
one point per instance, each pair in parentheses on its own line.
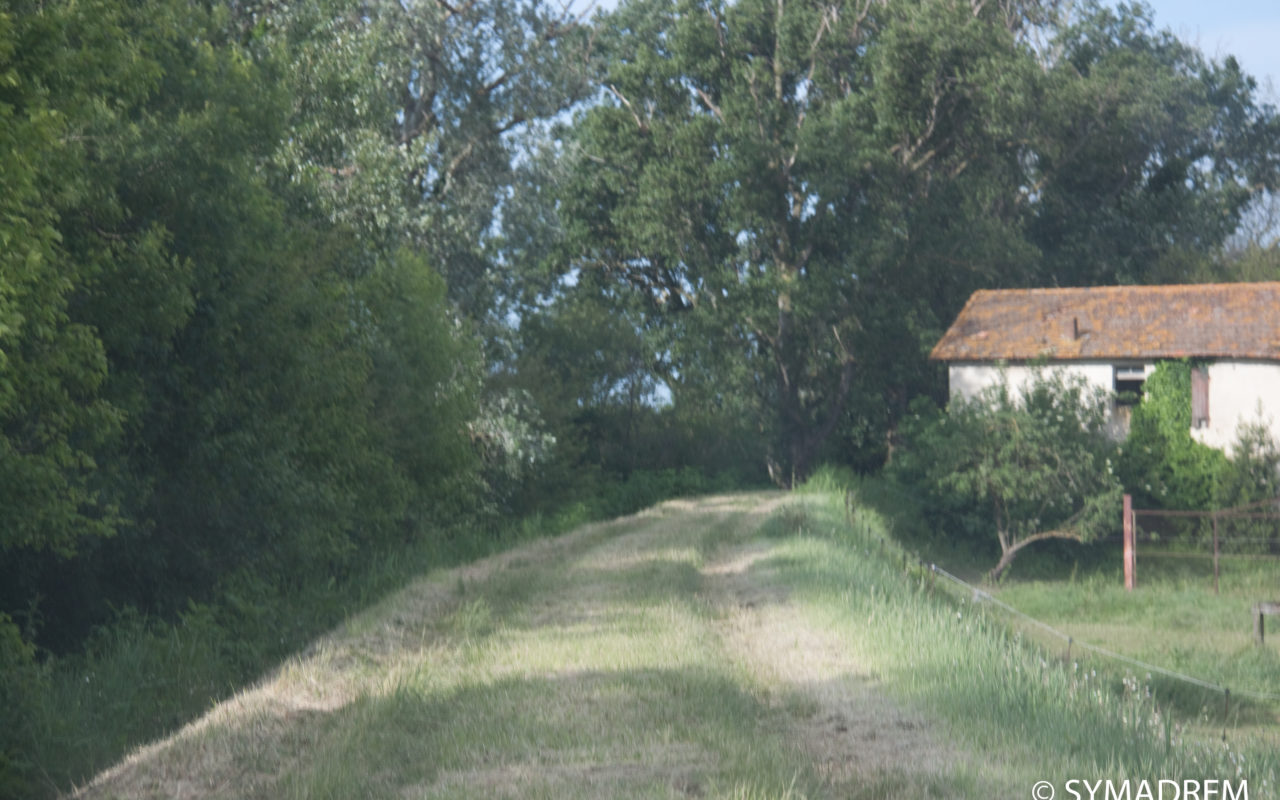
(1112,336)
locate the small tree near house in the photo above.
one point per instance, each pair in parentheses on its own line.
(1032,464)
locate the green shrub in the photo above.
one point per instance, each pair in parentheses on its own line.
(1025,466)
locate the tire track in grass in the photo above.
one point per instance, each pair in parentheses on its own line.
(657,655)
(859,741)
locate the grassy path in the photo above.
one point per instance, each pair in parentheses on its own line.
(661,655)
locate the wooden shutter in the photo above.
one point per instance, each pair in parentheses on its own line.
(1200,397)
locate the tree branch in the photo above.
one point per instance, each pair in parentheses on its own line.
(711,106)
(622,99)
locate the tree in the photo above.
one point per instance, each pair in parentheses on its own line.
(57,421)
(1033,465)
(199,357)
(808,191)
(780,180)
(416,122)
(1150,155)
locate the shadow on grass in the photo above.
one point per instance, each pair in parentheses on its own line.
(591,734)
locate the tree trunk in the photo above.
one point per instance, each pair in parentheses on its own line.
(1010,550)
(1006,558)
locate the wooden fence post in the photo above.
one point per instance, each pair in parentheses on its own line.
(1130,562)
(1261,610)
(1215,553)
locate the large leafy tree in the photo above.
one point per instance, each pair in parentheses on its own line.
(56,420)
(1150,157)
(809,190)
(423,127)
(784,182)
(200,354)
(418,123)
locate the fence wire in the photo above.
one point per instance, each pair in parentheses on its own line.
(1102,651)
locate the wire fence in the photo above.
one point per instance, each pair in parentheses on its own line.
(1228,537)
(981,594)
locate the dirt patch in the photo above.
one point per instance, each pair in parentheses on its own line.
(850,730)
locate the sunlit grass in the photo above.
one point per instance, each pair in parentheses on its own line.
(1011,692)
(585,669)
(702,649)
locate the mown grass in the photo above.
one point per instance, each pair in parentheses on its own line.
(140,677)
(598,666)
(588,671)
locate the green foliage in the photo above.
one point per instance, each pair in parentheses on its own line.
(203,360)
(766,190)
(1149,157)
(776,187)
(21,685)
(1027,465)
(1160,464)
(1251,478)
(411,123)
(54,418)
(1253,472)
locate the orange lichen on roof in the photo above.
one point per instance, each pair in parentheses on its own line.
(1213,320)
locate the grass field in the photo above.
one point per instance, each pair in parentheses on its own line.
(741,646)
(1173,619)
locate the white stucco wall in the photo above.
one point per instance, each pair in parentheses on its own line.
(968,380)
(1241,392)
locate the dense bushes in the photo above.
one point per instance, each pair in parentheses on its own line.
(1160,464)
(957,465)
(211,394)
(1025,465)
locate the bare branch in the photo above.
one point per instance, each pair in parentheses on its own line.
(495,83)
(446,179)
(711,106)
(514,122)
(622,99)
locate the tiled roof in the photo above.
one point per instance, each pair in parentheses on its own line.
(1223,320)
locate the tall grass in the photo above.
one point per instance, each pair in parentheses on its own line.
(997,689)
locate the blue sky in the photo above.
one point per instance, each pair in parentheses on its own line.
(1247,29)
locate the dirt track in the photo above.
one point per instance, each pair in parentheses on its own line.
(594,594)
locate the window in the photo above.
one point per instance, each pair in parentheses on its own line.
(1199,397)
(1128,384)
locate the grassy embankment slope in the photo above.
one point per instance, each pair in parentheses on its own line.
(744,646)
(1174,620)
